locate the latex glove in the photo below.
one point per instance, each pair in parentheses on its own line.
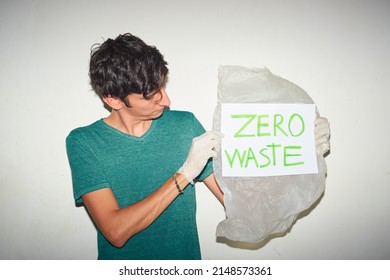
(322,135)
(203,147)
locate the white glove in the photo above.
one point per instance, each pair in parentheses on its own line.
(322,135)
(203,147)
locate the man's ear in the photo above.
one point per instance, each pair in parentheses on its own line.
(114,102)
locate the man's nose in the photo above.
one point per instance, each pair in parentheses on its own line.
(165,101)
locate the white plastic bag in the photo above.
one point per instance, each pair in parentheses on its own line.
(257,207)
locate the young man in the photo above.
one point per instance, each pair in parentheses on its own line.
(133,170)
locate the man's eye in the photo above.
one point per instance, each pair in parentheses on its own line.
(157,97)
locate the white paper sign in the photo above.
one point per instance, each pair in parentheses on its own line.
(267,139)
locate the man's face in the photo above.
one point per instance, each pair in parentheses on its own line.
(146,109)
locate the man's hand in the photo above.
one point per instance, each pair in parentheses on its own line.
(203,147)
(322,135)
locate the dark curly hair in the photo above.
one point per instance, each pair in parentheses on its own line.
(126,65)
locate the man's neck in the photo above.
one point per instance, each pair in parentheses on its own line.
(128,125)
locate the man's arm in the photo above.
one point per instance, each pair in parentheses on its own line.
(212,184)
(120,224)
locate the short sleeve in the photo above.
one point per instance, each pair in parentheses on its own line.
(87,172)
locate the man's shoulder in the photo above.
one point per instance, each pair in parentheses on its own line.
(87,129)
(181,120)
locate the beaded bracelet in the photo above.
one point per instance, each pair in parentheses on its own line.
(177,185)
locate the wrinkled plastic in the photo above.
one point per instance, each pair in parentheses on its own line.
(258,207)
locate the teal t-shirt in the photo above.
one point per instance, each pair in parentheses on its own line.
(101,156)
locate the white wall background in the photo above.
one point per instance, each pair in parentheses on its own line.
(338,51)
